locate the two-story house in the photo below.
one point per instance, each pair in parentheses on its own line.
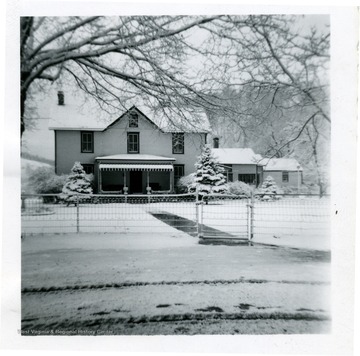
(131,154)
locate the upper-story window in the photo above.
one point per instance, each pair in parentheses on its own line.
(133,119)
(87,141)
(177,143)
(133,142)
(285,176)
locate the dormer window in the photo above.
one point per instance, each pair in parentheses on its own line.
(133,119)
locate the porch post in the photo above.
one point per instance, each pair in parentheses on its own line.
(171,181)
(125,187)
(100,182)
(148,182)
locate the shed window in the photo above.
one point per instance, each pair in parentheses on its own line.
(228,172)
(247,178)
(285,176)
(87,142)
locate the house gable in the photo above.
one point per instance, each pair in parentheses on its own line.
(122,122)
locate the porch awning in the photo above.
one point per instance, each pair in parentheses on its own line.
(135,167)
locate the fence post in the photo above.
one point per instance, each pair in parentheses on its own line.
(250,213)
(77,215)
(198,215)
(22,203)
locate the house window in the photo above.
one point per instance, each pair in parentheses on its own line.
(228,172)
(179,171)
(133,119)
(133,142)
(285,177)
(247,178)
(88,168)
(87,142)
(178,143)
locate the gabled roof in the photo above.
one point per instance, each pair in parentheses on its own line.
(133,108)
(282,164)
(237,156)
(88,116)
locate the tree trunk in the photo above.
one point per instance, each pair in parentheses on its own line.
(23,96)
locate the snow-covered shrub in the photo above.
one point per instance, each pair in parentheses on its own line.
(240,188)
(43,180)
(78,182)
(209,175)
(182,185)
(268,190)
(294,190)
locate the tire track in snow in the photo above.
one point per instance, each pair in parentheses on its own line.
(178,283)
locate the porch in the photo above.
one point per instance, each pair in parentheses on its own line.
(135,174)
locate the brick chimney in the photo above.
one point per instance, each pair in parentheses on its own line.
(216,142)
(61,98)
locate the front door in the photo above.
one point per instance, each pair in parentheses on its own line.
(135,182)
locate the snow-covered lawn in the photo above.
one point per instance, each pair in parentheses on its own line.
(292,222)
(132,283)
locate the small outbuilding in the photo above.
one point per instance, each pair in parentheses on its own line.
(287,172)
(241,164)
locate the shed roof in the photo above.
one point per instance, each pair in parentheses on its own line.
(136,167)
(135,157)
(282,164)
(237,156)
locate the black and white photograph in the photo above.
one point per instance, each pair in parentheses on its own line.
(176,176)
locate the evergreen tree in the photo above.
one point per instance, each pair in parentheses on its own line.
(77,183)
(269,189)
(209,177)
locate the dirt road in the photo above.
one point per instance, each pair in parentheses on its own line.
(96,285)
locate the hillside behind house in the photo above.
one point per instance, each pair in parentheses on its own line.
(27,167)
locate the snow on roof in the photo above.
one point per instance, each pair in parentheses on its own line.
(236,156)
(71,117)
(135,157)
(195,121)
(77,114)
(282,164)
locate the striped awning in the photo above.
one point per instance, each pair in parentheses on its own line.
(135,167)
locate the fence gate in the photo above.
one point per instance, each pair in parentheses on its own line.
(225,217)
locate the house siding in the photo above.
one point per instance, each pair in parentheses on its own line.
(277,176)
(114,141)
